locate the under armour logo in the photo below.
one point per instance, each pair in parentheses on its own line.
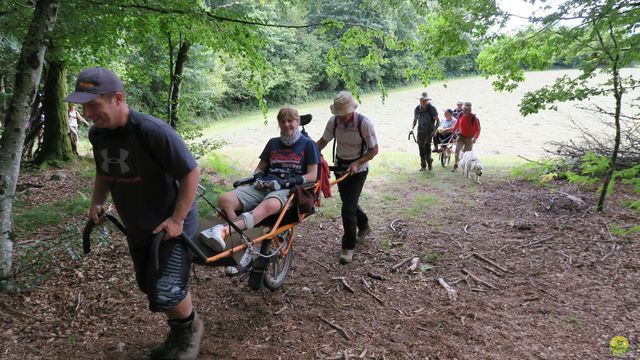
(124,168)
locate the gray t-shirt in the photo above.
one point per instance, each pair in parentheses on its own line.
(426,117)
(349,142)
(141,164)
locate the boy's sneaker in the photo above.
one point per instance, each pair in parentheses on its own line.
(214,237)
(243,266)
(346,257)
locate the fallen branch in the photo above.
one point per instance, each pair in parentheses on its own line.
(392,223)
(452,294)
(376,276)
(492,263)
(398,265)
(532,243)
(533,161)
(324,266)
(344,283)
(455,241)
(367,288)
(614,248)
(340,330)
(466,272)
(493,271)
(565,255)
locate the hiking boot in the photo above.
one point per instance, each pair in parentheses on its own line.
(430,166)
(423,169)
(363,233)
(346,257)
(182,342)
(214,237)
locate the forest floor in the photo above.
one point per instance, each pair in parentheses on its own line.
(560,287)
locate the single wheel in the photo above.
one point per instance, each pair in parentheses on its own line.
(280,263)
(445,157)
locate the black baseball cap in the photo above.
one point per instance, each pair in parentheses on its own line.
(93,82)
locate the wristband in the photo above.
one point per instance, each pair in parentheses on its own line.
(179,222)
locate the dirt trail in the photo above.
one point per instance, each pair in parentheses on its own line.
(568,288)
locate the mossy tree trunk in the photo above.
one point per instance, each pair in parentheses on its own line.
(56,142)
(29,71)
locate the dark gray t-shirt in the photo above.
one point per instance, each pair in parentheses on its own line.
(142,163)
(426,117)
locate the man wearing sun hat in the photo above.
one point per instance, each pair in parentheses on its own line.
(355,143)
(426,116)
(152,178)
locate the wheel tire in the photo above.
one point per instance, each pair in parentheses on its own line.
(444,158)
(279,265)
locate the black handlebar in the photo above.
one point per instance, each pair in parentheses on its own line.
(155,243)
(155,249)
(86,233)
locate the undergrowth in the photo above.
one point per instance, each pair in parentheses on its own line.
(588,171)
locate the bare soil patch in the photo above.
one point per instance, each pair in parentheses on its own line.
(568,288)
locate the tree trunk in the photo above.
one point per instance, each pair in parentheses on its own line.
(176,82)
(617,94)
(616,143)
(56,143)
(29,71)
(3,102)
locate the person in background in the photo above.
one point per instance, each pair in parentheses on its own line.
(152,178)
(468,125)
(458,110)
(74,116)
(355,144)
(425,116)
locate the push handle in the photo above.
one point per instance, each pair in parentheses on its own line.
(155,248)
(86,233)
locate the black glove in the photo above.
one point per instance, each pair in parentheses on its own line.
(257,175)
(291,181)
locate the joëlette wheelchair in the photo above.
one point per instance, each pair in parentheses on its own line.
(274,235)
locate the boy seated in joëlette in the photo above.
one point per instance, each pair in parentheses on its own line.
(286,161)
(445,131)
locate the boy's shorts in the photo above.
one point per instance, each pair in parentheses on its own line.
(250,197)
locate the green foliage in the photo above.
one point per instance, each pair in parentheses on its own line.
(29,220)
(420,206)
(199,147)
(220,165)
(616,230)
(536,171)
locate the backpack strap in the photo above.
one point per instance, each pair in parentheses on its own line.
(363,145)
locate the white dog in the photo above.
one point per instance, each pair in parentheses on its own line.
(471,163)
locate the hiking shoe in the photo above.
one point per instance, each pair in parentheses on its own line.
(363,233)
(214,237)
(455,166)
(182,342)
(423,169)
(430,166)
(347,256)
